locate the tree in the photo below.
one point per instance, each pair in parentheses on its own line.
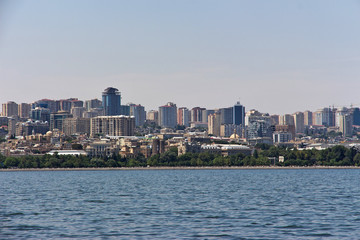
(256,155)
(11,162)
(357,159)
(76,146)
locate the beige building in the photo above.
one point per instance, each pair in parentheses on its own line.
(10,109)
(112,126)
(101,149)
(346,125)
(72,126)
(24,110)
(77,112)
(286,119)
(227,130)
(214,121)
(153,115)
(274,119)
(299,122)
(308,118)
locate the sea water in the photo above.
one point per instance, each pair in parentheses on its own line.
(181,204)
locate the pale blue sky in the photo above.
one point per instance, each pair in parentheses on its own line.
(276,56)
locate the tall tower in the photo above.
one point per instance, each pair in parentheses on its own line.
(168,115)
(238,114)
(214,123)
(111,100)
(183,116)
(139,113)
(9,109)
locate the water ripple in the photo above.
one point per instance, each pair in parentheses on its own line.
(183,204)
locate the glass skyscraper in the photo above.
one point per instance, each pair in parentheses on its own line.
(111,100)
(238,114)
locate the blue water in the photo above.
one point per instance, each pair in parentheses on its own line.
(181,204)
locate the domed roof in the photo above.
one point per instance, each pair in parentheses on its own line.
(48,133)
(234,136)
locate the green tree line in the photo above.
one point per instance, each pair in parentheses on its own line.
(262,156)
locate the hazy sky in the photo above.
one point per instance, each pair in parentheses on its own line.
(275,56)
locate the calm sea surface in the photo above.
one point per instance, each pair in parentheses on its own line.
(181,204)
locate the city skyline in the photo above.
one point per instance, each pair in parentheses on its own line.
(179,106)
(277,57)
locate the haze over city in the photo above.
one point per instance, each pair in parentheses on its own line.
(274,56)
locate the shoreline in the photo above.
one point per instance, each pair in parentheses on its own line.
(176,168)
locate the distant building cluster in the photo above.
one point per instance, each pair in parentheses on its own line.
(100,123)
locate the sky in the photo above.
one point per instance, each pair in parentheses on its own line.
(275,56)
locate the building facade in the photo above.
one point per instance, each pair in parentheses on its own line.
(183,117)
(24,110)
(308,118)
(9,109)
(258,125)
(197,114)
(346,125)
(93,103)
(139,113)
(214,123)
(75,125)
(226,115)
(238,114)
(299,122)
(168,115)
(57,119)
(112,126)
(111,100)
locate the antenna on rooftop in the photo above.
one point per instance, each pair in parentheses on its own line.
(238,102)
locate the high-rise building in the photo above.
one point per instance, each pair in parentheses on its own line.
(197,114)
(31,128)
(10,109)
(238,114)
(112,126)
(346,125)
(125,110)
(274,119)
(139,113)
(339,113)
(286,129)
(299,122)
(65,105)
(56,120)
(73,126)
(153,116)
(258,125)
(308,118)
(93,103)
(76,103)
(356,116)
(12,125)
(325,116)
(226,130)
(168,115)
(183,117)
(53,106)
(94,112)
(286,119)
(317,118)
(281,137)
(41,114)
(206,113)
(214,123)
(24,110)
(111,100)
(77,112)
(226,115)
